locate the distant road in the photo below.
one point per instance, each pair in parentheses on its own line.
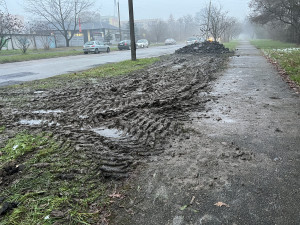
(14,73)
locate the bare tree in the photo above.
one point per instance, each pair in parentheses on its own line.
(284,12)
(189,26)
(44,31)
(158,30)
(24,39)
(61,14)
(8,24)
(218,22)
(172,27)
(232,29)
(23,42)
(214,21)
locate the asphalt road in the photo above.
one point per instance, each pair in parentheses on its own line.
(14,73)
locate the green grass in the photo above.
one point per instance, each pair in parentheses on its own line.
(231,45)
(35,56)
(20,145)
(107,70)
(40,193)
(2,128)
(8,56)
(288,60)
(285,54)
(38,51)
(270,44)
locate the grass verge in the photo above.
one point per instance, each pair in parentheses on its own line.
(74,79)
(231,45)
(270,44)
(53,186)
(35,56)
(286,55)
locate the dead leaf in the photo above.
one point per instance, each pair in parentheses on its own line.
(220,204)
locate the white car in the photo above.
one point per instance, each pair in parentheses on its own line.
(170,41)
(192,40)
(143,43)
(95,47)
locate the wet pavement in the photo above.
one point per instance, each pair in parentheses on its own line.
(241,164)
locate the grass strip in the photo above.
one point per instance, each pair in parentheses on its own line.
(289,60)
(231,45)
(270,44)
(76,79)
(42,194)
(287,55)
(35,56)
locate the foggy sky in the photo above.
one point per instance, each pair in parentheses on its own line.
(149,9)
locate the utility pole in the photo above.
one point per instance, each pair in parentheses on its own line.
(119,21)
(208,20)
(132,34)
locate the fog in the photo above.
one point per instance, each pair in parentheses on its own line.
(155,8)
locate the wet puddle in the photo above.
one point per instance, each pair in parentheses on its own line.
(110,133)
(227,120)
(38,122)
(38,92)
(31,122)
(48,111)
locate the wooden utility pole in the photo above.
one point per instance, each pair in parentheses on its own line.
(132,34)
(119,21)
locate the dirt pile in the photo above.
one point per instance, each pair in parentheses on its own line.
(206,47)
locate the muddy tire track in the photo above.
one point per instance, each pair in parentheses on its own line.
(119,121)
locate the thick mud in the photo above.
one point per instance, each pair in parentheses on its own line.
(119,122)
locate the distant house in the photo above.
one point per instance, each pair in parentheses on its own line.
(91,31)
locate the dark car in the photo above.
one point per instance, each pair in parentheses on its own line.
(125,44)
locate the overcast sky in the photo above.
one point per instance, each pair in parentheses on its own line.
(148,9)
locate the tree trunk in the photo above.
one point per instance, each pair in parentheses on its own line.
(12,42)
(67,42)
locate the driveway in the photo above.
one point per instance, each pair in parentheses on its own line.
(13,73)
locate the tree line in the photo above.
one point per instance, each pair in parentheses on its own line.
(62,16)
(280,18)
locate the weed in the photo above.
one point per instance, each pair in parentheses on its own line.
(2,129)
(20,145)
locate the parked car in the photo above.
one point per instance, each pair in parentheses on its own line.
(170,41)
(95,47)
(143,43)
(125,44)
(192,40)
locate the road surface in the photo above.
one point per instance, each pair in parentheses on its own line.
(14,73)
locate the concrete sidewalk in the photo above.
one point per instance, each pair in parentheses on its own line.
(260,113)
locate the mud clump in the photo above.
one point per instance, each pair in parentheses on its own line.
(206,47)
(6,207)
